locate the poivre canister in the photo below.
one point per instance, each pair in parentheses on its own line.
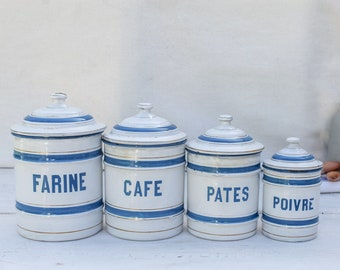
(223,167)
(291,194)
(58,171)
(144,177)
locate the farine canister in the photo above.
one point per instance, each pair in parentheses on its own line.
(144,177)
(291,192)
(58,171)
(223,175)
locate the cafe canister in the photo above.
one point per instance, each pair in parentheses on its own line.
(144,177)
(223,174)
(291,194)
(58,171)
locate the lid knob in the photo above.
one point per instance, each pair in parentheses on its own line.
(145,110)
(58,100)
(293,142)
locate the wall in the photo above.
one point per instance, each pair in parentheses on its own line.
(273,65)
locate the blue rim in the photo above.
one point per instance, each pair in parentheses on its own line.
(219,220)
(219,155)
(295,170)
(61,137)
(225,140)
(35,119)
(58,210)
(285,222)
(56,158)
(144,145)
(223,170)
(144,214)
(135,129)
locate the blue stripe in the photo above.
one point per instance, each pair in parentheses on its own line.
(222,220)
(143,164)
(285,222)
(144,214)
(135,129)
(35,119)
(291,182)
(225,140)
(223,170)
(218,155)
(58,210)
(295,170)
(144,145)
(47,137)
(56,158)
(292,158)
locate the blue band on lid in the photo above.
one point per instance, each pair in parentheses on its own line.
(54,120)
(144,145)
(154,129)
(225,140)
(293,158)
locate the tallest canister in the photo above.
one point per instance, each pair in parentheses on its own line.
(58,171)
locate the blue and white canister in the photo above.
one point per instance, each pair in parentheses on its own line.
(58,171)
(223,174)
(291,194)
(144,177)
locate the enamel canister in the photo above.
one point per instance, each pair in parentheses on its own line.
(223,175)
(291,193)
(144,177)
(58,171)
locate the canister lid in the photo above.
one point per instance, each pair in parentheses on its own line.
(292,157)
(225,139)
(57,119)
(145,128)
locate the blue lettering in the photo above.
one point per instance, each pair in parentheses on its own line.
(276,201)
(73,182)
(311,204)
(56,183)
(245,192)
(126,191)
(227,190)
(35,181)
(157,188)
(210,192)
(237,194)
(138,190)
(82,186)
(218,196)
(45,185)
(293,204)
(147,187)
(304,205)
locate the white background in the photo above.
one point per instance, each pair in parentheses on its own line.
(273,65)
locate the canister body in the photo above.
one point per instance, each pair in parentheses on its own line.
(223,195)
(58,186)
(144,190)
(290,205)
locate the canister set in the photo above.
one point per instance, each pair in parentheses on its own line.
(60,179)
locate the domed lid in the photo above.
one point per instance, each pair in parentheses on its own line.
(57,119)
(292,157)
(145,128)
(225,139)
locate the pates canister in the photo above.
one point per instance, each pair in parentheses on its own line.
(223,183)
(291,193)
(144,177)
(58,171)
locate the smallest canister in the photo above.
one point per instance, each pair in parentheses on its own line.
(291,193)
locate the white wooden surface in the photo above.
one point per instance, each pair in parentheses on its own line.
(181,252)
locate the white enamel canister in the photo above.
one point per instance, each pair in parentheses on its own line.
(291,193)
(223,167)
(58,169)
(144,177)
